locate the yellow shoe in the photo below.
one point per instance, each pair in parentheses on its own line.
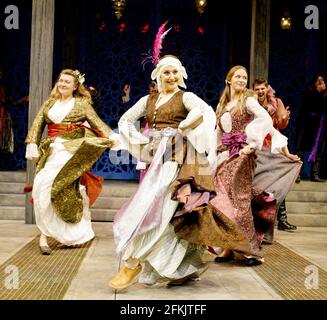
(124,278)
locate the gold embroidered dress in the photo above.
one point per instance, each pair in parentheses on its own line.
(60,202)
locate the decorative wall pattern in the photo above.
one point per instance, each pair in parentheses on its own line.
(112,58)
(15,59)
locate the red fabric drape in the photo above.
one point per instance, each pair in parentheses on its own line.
(93,184)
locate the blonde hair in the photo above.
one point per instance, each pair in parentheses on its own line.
(79,92)
(226,95)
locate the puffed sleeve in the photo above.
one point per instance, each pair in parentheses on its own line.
(202,120)
(32,151)
(195,107)
(126,124)
(260,126)
(213,156)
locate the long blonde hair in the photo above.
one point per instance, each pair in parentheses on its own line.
(226,95)
(79,92)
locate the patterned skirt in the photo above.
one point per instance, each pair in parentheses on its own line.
(236,215)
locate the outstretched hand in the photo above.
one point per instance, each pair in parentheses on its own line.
(292,157)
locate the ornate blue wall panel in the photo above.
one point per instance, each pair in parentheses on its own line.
(15,59)
(112,58)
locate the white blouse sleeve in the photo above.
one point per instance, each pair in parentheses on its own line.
(260,126)
(278,141)
(32,151)
(201,137)
(126,124)
(196,107)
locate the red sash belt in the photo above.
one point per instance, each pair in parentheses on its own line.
(59,129)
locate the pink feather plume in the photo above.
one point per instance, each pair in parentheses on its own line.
(157,45)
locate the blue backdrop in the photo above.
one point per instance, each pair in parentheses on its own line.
(109,52)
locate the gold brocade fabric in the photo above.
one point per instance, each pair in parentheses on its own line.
(87,149)
(44,151)
(75,139)
(81,112)
(65,195)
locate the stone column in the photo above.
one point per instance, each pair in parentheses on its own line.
(260,29)
(40,73)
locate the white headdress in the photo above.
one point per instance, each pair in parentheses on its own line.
(165,61)
(172,62)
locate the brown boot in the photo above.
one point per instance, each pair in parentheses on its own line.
(45,250)
(124,278)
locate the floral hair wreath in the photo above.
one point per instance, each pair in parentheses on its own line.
(80,77)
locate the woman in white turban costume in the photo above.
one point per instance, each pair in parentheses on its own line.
(178,182)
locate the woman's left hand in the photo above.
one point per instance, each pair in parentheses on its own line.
(292,157)
(246,150)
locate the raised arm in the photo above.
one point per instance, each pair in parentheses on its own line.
(260,126)
(126,123)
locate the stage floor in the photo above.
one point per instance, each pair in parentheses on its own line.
(295,268)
